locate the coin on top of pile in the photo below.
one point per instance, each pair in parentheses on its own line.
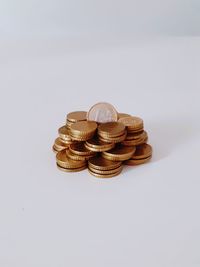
(96,145)
(142,154)
(136,139)
(112,132)
(75,116)
(133,124)
(102,112)
(59,145)
(103,168)
(119,153)
(66,164)
(83,130)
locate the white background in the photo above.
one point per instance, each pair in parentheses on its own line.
(147,216)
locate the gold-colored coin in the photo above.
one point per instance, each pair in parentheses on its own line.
(135,142)
(59,144)
(102,112)
(64,133)
(123,115)
(111,129)
(101,163)
(134,136)
(119,153)
(83,128)
(73,156)
(96,145)
(107,171)
(77,116)
(142,151)
(55,150)
(80,149)
(132,162)
(104,175)
(64,161)
(71,170)
(114,139)
(132,123)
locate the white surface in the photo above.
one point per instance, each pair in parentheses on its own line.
(147,216)
(61,18)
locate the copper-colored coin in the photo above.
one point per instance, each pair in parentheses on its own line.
(107,171)
(132,123)
(104,175)
(119,153)
(134,136)
(77,116)
(142,151)
(64,133)
(102,112)
(101,163)
(73,156)
(83,128)
(59,144)
(55,150)
(97,145)
(64,161)
(111,129)
(80,149)
(123,115)
(114,139)
(133,162)
(136,142)
(71,170)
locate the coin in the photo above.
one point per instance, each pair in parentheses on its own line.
(111,129)
(64,133)
(80,149)
(142,151)
(106,171)
(64,161)
(132,123)
(104,175)
(114,139)
(101,163)
(119,153)
(96,145)
(123,115)
(83,128)
(73,156)
(71,170)
(77,116)
(102,112)
(134,136)
(133,162)
(136,142)
(59,145)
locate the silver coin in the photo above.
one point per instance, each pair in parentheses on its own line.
(102,112)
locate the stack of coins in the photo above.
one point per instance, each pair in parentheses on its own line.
(102,140)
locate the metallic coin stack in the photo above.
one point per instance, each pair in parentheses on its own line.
(101,140)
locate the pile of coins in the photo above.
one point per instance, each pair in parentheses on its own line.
(101,140)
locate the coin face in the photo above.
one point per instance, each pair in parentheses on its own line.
(83,127)
(102,112)
(77,116)
(133,123)
(111,129)
(122,115)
